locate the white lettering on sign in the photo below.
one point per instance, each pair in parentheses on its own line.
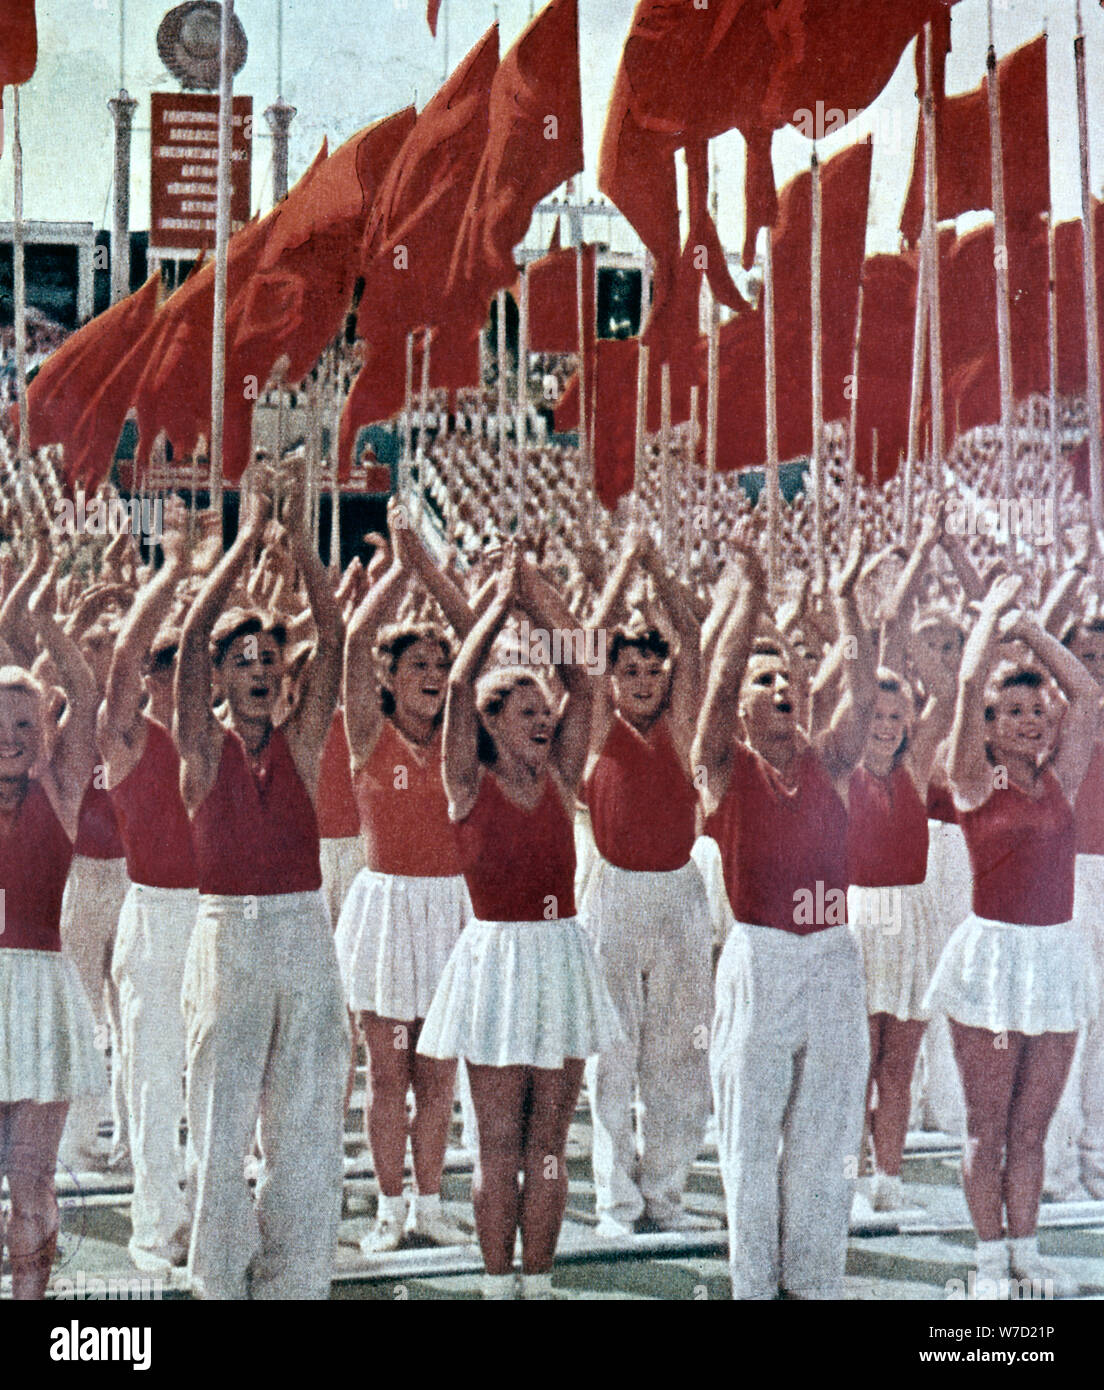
(203,190)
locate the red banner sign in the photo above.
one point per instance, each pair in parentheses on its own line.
(184,168)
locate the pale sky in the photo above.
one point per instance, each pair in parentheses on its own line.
(348,62)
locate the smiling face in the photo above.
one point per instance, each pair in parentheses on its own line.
(936,649)
(524,727)
(250,677)
(768,699)
(419,680)
(889,725)
(20,732)
(641,681)
(1022,725)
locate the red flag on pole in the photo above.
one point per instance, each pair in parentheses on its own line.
(433,9)
(885,357)
(18,42)
(553,298)
(614,394)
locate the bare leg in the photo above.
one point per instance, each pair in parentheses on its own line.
(552,1098)
(1044,1065)
(499,1096)
(988,1072)
(434,1086)
(391,1045)
(892,1074)
(33,1135)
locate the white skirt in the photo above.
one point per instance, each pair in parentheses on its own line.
(1018,979)
(394,938)
(893,927)
(527,994)
(48,1046)
(949,879)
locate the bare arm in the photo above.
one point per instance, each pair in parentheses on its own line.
(841,745)
(363,716)
(968,767)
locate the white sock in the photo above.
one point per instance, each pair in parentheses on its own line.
(426,1204)
(536,1285)
(992,1257)
(391,1208)
(499,1286)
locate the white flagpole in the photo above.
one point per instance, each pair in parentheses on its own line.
(817,461)
(502,393)
(19,284)
(1000,229)
(335,473)
(408,423)
(1052,395)
(712,401)
(1088,264)
(521,427)
(853,430)
(222,240)
(919,336)
(641,427)
(586,462)
(931,223)
(691,468)
(420,455)
(665,458)
(771,478)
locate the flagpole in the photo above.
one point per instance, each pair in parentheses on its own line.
(641,426)
(816,461)
(691,466)
(423,422)
(916,396)
(19,284)
(712,401)
(500,335)
(1000,228)
(665,458)
(408,423)
(771,479)
(335,474)
(222,241)
(853,429)
(521,429)
(1052,354)
(1088,266)
(931,221)
(586,463)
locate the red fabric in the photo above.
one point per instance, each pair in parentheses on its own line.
(642,803)
(18,42)
(338,818)
(887,830)
(692,72)
(433,9)
(1022,855)
(256,834)
(1088,809)
(406,828)
(98,830)
(72,374)
(1070,290)
(417,212)
(775,842)
(153,825)
(514,861)
(538,79)
(553,299)
(968,314)
(614,412)
(940,804)
(885,362)
(35,855)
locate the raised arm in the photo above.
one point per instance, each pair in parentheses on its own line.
(439,583)
(686,688)
(841,745)
(898,609)
(363,716)
(17,628)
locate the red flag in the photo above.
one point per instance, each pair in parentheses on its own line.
(377,394)
(433,9)
(18,42)
(553,298)
(416,214)
(535,144)
(968,313)
(614,392)
(885,361)
(1070,294)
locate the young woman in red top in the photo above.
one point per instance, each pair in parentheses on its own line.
(646,907)
(407,907)
(522,998)
(1016,979)
(267,1028)
(48,1053)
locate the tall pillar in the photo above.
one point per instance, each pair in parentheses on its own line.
(122,110)
(279,117)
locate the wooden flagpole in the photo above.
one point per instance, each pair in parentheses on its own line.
(691,467)
(931,223)
(335,474)
(816,462)
(408,424)
(19,283)
(502,394)
(853,429)
(423,422)
(222,241)
(1088,264)
(771,478)
(919,335)
(665,459)
(1052,392)
(521,429)
(712,400)
(1000,231)
(641,427)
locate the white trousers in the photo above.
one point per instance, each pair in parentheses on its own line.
(267,1036)
(155,929)
(789,1060)
(653,938)
(94,895)
(341,861)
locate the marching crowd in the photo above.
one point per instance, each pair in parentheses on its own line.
(814,856)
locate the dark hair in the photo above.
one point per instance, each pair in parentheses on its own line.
(393,642)
(162,658)
(763,646)
(244,622)
(1026,677)
(497,687)
(1093,625)
(890,683)
(649,642)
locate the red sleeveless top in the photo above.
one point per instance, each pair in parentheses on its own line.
(337,808)
(776,844)
(35,854)
(1022,854)
(514,860)
(404,809)
(941,803)
(1088,809)
(256,834)
(642,803)
(153,823)
(887,830)
(97,830)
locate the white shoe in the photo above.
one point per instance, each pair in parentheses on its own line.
(678,1219)
(990,1277)
(385,1235)
(499,1288)
(537,1288)
(437,1226)
(609,1228)
(1048,1278)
